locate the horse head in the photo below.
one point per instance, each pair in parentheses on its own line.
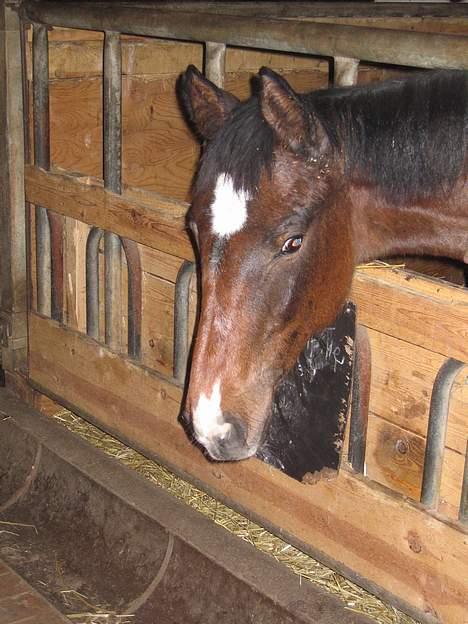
(274,245)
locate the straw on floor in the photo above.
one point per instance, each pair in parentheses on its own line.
(306,568)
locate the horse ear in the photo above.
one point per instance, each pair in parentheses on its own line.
(297,129)
(206,105)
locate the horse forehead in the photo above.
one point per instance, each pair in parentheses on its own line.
(228,208)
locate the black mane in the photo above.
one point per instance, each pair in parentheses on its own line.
(407,136)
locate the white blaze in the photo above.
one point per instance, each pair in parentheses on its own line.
(208,419)
(229,208)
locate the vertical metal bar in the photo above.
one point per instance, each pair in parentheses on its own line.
(42,159)
(134,297)
(436,431)
(181,320)
(463,511)
(112,105)
(360,400)
(56,268)
(26,100)
(49,245)
(345,71)
(215,60)
(92,282)
(14,224)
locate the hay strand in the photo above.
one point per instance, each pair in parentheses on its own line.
(307,569)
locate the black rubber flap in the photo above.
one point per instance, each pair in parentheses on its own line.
(306,429)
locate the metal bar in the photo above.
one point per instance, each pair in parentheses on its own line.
(215,62)
(181,320)
(112,105)
(312,8)
(42,159)
(25,95)
(56,265)
(436,431)
(134,297)
(14,228)
(345,71)
(345,74)
(360,400)
(463,511)
(92,282)
(414,49)
(49,245)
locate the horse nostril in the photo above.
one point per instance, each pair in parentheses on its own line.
(237,435)
(185,417)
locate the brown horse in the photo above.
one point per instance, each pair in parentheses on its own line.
(291,193)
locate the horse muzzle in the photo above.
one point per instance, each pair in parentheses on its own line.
(227,441)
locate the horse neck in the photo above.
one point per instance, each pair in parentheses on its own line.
(432,227)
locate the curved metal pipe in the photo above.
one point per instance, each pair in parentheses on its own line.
(463,511)
(360,400)
(437,430)
(181,319)
(92,282)
(134,297)
(40,46)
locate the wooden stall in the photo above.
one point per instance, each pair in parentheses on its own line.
(120,373)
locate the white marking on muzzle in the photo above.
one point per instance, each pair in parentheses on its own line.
(208,422)
(229,208)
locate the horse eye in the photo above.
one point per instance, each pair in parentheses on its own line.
(292,244)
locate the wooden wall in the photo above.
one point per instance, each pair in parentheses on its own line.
(159,155)
(414,324)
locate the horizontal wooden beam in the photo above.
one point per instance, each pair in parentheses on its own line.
(144,217)
(377,538)
(424,312)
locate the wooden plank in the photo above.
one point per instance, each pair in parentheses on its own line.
(13,225)
(158,324)
(402,379)
(425,312)
(395,458)
(159,223)
(76,234)
(157,341)
(342,518)
(155,262)
(76,126)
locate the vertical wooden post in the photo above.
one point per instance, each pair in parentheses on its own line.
(13,280)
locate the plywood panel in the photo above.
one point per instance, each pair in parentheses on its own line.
(362,528)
